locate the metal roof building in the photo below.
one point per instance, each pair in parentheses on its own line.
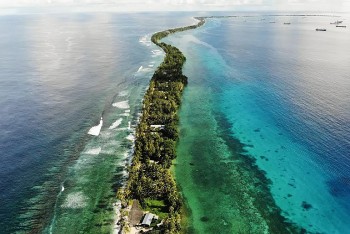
(147,220)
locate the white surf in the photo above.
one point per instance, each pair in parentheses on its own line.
(95,130)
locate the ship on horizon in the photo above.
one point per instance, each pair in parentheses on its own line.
(337,22)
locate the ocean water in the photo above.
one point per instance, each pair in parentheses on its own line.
(264,144)
(59,74)
(265,119)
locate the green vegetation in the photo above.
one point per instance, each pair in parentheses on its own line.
(157,207)
(150,180)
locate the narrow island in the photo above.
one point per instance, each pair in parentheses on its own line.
(150,200)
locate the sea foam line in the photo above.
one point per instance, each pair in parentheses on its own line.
(123,93)
(130,137)
(145,40)
(95,131)
(94,151)
(116,123)
(75,200)
(122,105)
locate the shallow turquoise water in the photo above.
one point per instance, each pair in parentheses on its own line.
(264,126)
(264,122)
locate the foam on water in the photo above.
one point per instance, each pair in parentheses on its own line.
(75,200)
(121,105)
(123,93)
(117,207)
(116,123)
(156,53)
(106,135)
(145,69)
(130,137)
(127,154)
(146,40)
(73,94)
(121,129)
(95,131)
(93,151)
(111,144)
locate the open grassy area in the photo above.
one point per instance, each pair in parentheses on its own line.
(157,207)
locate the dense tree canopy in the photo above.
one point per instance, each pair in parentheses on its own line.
(155,147)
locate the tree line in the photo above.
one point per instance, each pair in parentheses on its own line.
(155,146)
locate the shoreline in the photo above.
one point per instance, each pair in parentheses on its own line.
(151,180)
(270,212)
(154,128)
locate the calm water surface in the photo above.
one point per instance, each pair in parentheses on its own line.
(264,125)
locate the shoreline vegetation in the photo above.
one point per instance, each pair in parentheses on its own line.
(151,186)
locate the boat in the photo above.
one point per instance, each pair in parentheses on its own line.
(337,22)
(321,29)
(286,23)
(341,26)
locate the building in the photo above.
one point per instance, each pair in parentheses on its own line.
(147,220)
(158,126)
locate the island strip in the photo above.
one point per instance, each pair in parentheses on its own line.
(150,201)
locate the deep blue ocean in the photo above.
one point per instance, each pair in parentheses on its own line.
(282,91)
(59,74)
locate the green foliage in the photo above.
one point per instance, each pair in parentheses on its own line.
(157,207)
(150,180)
(172,224)
(171,131)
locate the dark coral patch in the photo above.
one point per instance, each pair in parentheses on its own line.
(306,206)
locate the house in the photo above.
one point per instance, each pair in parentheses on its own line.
(158,126)
(147,220)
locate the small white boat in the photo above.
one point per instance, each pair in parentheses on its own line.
(337,22)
